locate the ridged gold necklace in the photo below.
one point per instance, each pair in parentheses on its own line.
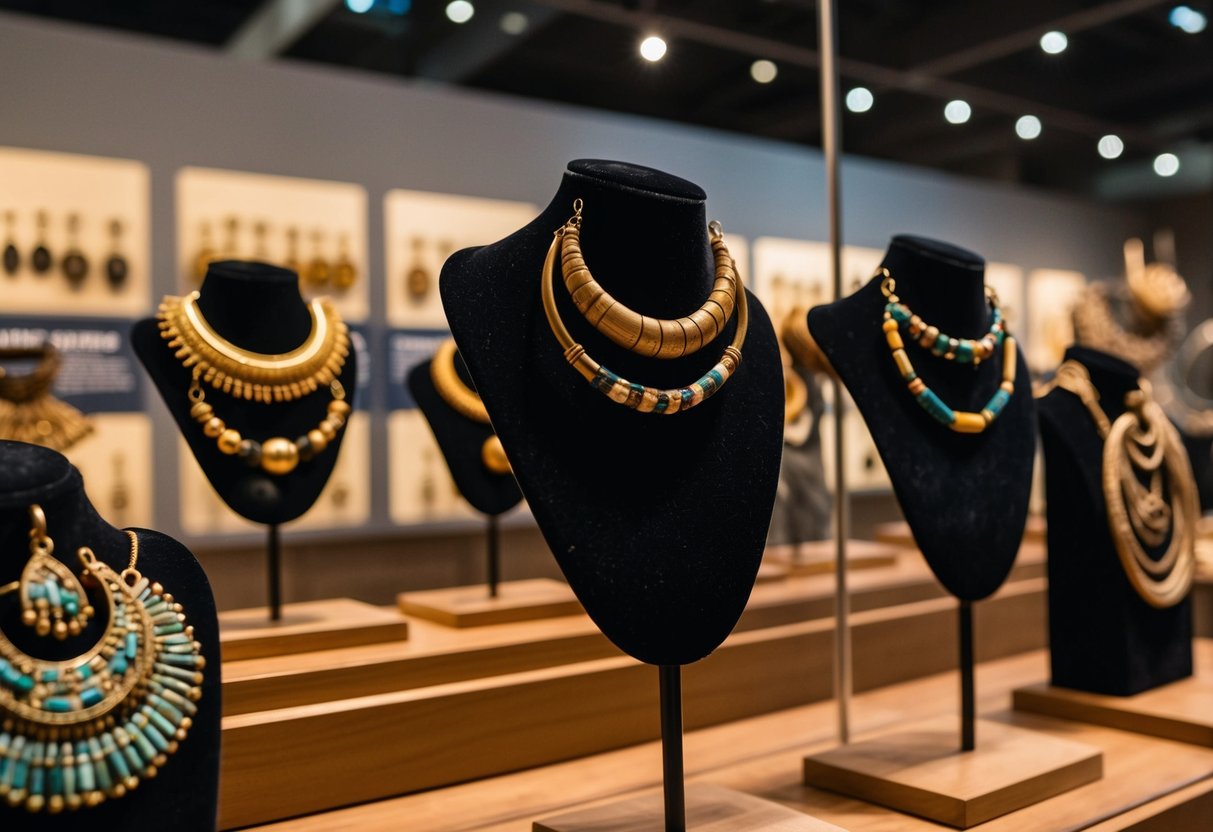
(464,401)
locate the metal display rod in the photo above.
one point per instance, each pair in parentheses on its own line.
(831,140)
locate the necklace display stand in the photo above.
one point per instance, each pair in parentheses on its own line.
(1115,659)
(237,299)
(184,794)
(926,768)
(492,494)
(658,521)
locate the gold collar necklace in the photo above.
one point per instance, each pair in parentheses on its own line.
(464,401)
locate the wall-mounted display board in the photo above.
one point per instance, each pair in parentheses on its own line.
(420,231)
(313,227)
(73,234)
(100,378)
(1052,294)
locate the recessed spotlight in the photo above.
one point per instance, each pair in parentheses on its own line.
(957,112)
(1054,43)
(860,100)
(359,6)
(1166,164)
(763,71)
(652,48)
(1110,146)
(1027,127)
(459,11)
(514,23)
(1188,19)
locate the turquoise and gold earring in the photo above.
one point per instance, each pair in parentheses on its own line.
(52,600)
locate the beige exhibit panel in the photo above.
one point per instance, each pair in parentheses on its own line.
(420,488)
(344,503)
(709,808)
(421,230)
(1052,294)
(115,461)
(919,769)
(472,606)
(91,205)
(314,227)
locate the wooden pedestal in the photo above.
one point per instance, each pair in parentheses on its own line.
(769,572)
(920,770)
(471,606)
(1180,711)
(817,558)
(307,627)
(897,532)
(709,809)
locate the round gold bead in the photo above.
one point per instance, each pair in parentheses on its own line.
(229,441)
(279,456)
(319,440)
(327,428)
(214,427)
(201,411)
(339,406)
(492,454)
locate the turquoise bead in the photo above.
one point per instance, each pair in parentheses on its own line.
(90,697)
(57,704)
(132,642)
(941,345)
(85,776)
(998,401)
(167,629)
(964,352)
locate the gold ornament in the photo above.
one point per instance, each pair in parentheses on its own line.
(464,401)
(28,411)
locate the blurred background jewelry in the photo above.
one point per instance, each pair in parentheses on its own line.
(417,281)
(28,411)
(12,255)
(344,271)
(465,401)
(74,264)
(117,269)
(41,258)
(317,272)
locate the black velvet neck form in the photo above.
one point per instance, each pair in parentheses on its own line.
(185,792)
(1103,637)
(965,496)
(658,522)
(258,307)
(460,439)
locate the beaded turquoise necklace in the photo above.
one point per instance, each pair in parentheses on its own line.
(959,350)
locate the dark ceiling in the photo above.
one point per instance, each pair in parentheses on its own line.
(1128,71)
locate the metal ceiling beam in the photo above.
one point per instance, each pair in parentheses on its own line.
(274,27)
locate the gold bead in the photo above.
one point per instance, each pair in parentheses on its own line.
(279,456)
(319,440)
(229,441)
(968,422)
(329,430)
(492,454)
(201,411)
(339,406)
(213,427)
(29,618)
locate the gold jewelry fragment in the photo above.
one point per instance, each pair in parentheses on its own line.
(28,411)
(344,270)
(52,600)
(1144,342)
(464,401)
(417,281)
(641,334)
(1142,443)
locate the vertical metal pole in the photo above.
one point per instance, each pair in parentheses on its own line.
(831,141)
(671,747)
(494,555)
(274,572)
(968,688)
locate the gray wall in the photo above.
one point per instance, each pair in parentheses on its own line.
(85,91)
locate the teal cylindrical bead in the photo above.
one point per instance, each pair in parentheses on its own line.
(998,401)
(86,776)
(57,704)
(146,749)
(941,345)
(54,779)
(964,352)
(132,645)
(163,725)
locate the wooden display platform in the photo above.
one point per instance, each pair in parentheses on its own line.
(769,572)
(818,557)
(897,533)
(709,808)
(1180,711)
(307,627)
(471,606)
(920,770)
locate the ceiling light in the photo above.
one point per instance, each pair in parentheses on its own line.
(459,11)
(1028,127)
(514,23)
(652,48)
(359,6)
(860,100)
(1188,19)
(957,112)
(1166,164)
(763,71)
(1110,146)
(1054,43)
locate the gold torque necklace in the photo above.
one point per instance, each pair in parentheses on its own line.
(262,377)
(28,411)
(464,401)
(1141,449)
(639,397)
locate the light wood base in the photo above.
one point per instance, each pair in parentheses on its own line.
(769,572)
(306,628)
(817,558)
(920,770)
(1180,711)
(709,808)
(897,532)
(471,606)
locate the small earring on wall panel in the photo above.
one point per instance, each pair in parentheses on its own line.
(345,273)
(41,258)
(318,271)
(52,600)
(417,280)
(206,252)
(12,256)
(231,245)
(261,249)
(117,269)
(75,264)
(293,262)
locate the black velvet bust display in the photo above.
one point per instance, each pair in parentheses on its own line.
(184,794)
(460,440)
(965,496)
(658,522)
(258,307)
(1103,637)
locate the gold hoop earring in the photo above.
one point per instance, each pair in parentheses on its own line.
(53,601)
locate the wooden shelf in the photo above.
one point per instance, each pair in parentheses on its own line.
(471,606)
(307,627)
(818,557)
